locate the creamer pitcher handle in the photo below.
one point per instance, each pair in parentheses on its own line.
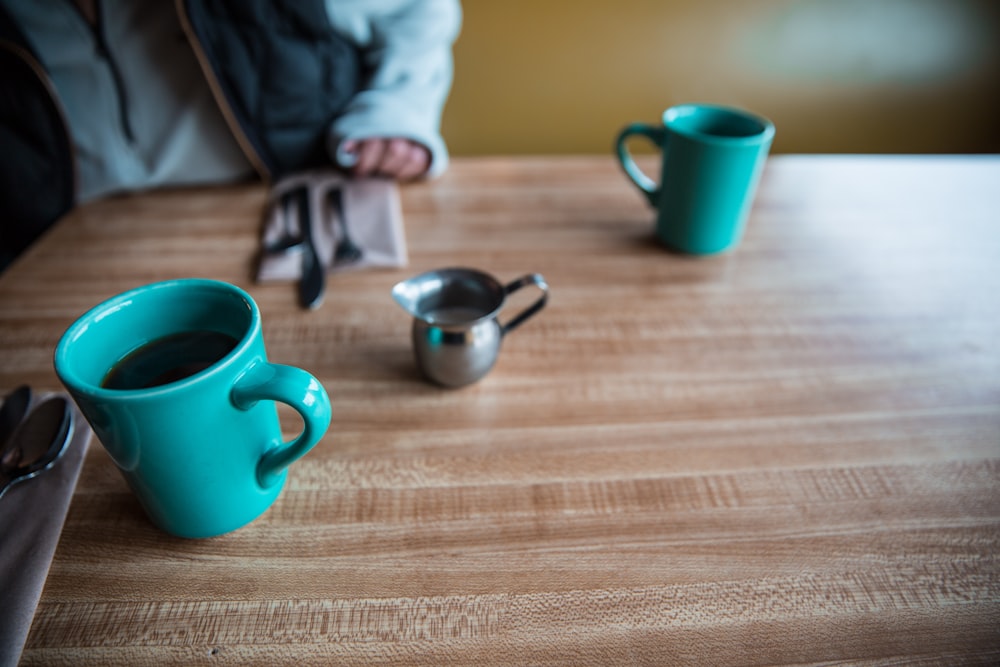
(530,279)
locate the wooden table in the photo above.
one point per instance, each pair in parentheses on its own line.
(786,454)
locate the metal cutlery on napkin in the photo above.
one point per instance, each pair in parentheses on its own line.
(37,439)
(353,225)
(313,280)
(347,250)
(300,241)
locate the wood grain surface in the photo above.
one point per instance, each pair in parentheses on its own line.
(788,454)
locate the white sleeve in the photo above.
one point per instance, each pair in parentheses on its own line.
(406,46)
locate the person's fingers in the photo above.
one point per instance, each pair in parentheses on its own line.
(347,154)
(396,157)
(369,152)
(417,164)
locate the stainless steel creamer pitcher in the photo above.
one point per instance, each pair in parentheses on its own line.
(456,333)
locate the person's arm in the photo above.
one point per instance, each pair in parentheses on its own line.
(394,123)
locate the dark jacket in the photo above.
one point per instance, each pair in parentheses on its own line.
(279,72)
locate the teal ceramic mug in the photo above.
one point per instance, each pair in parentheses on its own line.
(712,158)
(174,379)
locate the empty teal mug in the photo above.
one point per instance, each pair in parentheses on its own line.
(712,158)
(174,379)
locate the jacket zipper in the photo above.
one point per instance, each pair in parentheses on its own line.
(116,75)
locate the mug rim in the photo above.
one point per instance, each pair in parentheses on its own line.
(672,116)
(64,367)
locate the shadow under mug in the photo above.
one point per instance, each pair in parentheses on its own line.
(204,454)
(712,159)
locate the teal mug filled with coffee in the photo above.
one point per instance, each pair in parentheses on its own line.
(712,159)
(175,381)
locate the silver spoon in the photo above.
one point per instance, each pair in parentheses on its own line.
(347,250)
(36,443)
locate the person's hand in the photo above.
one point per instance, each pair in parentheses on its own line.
(390,157)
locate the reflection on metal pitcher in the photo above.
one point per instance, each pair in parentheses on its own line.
(456,331)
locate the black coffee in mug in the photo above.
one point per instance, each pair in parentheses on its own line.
(169,359)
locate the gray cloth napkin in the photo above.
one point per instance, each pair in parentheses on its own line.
(372,217)
(31,519)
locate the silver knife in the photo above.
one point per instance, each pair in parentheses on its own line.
(313,279)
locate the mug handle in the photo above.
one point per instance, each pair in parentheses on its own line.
(658,136)
(295,388)
(530,279)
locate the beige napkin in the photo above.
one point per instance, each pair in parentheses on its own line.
(372,216)
(31,520)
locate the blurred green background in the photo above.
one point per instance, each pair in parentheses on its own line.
(835,76)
